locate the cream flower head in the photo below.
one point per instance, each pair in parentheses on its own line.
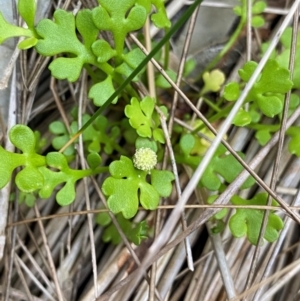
(144,159)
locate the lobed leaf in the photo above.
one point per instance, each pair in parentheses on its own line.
(59,37)
(119,17)
(248,221)
(268,91)
(24,139)
(144,119)
(65,174)
(221,164)
(127,187)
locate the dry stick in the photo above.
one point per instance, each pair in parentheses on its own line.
(171,121)
(86,190)
(11,253)
(223,198)
(152,92)
(34,279)
(287,222)
(187,244)
(42,275)
(289,270)
(219,253)
(49,255)
(59,105)
(165,207)
(5,192)
(199,171)
(23,281)
(278,154)
(37,70)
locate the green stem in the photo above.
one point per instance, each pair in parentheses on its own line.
(166,52)
(211,104)
(230,42)
(269,127)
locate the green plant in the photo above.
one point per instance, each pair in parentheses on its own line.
(135,177)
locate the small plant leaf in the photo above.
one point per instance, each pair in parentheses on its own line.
(257,21)
(268,91)
(249,221)
(221,164)
(161,82)
(258,7)
(100,92)
(103,51)
(242,118)
(294,143)
(94,160)
(127,187)
(263,136)
(24,139)
(131,60)
(59,37)
(27,43)
(119,17)
(140,115)
(65,174)
(160,18)
(86,27)
(27,9)
(8,30)
(232,91)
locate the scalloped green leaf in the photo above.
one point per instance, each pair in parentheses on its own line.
(64,174)
(23,138)
(135,232)
(59,37)
(247,222)
(140,115)
(127,187)
(119,17)
(221,164)
(270,88)
(86,27)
